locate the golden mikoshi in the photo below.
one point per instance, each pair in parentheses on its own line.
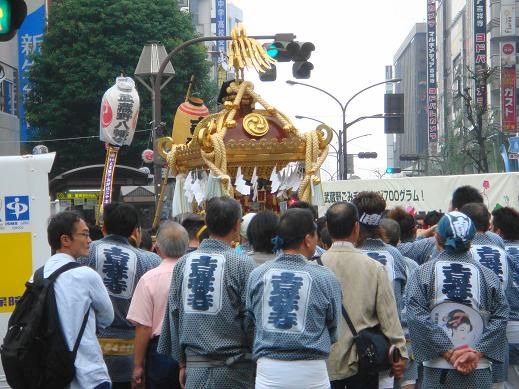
(243,135)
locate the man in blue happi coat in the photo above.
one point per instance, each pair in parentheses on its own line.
(121,266)
(296,307)
(457,312)
(205,328)
(505,223)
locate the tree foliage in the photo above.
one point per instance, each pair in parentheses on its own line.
(88,43)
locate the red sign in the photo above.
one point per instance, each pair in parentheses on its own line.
(508,99)
(107,114)
(508,48)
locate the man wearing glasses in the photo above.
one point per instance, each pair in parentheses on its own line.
(79,291)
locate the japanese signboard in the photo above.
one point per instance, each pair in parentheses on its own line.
(432,103)
(30,39)
(421,193)
(221,23)
(507,17)
(508,85)
(480,49)
(119,113)
(76,195)
(108,178)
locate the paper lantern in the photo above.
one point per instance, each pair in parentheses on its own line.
(188,115)
(119,113)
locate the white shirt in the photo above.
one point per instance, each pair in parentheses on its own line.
(76,291)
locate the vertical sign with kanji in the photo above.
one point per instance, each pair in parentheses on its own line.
(508,85)
(30,39)
(221,24)
(480,50)
(432,104)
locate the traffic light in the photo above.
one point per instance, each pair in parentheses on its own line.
(300,53)
(12,15)
(394,109)
(278,50)
(367,155)
(269,74)
(409,157)
(285,49)
(393,170)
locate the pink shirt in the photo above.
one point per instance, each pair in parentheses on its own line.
(150,298)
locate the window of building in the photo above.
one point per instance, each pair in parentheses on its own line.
(6,97)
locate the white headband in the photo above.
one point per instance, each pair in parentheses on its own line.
(369,219)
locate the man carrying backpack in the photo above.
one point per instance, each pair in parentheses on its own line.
(63,351)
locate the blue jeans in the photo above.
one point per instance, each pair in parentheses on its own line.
(161,370)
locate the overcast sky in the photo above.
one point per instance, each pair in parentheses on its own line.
(354,41)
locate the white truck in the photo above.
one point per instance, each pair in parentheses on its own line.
(429,193)
(24,213)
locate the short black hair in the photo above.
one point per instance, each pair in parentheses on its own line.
(192,223)
(405,221)
(221,215)
(146,241)
(432,218)
(260,231)
(464,195)
(120,219)
(304,205)
(62,223)
(391,231)
(326,238)
(340,219)
(294,225)
(478,213)
(507,220)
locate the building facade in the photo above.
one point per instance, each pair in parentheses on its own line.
(411,67)
(215,18)
(461,47)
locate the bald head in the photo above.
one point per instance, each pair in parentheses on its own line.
(172,239)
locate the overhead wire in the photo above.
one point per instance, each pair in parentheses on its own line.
(59,139)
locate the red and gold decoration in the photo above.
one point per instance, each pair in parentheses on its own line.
(248,140)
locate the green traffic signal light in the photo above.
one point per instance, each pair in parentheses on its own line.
(5,16)
(12,15)
(393,170)
(272,50)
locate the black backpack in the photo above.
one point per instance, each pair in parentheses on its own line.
(34,352)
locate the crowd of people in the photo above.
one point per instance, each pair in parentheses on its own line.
(227,300)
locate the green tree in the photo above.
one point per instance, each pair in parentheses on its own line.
(88,43)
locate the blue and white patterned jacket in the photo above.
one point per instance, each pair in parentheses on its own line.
(296,308)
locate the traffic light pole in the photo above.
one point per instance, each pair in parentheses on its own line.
(343,144)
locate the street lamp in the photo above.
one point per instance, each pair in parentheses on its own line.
(342,138)
(338,155)
(152,56)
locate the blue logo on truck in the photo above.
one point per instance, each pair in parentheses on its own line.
(16,208)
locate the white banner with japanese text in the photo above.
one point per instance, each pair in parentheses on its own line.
(428,193)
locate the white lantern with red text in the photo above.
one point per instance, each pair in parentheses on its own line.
(119,112)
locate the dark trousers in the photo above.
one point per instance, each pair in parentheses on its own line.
(121,385)
(104,385)
(161,370)
(357,382)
